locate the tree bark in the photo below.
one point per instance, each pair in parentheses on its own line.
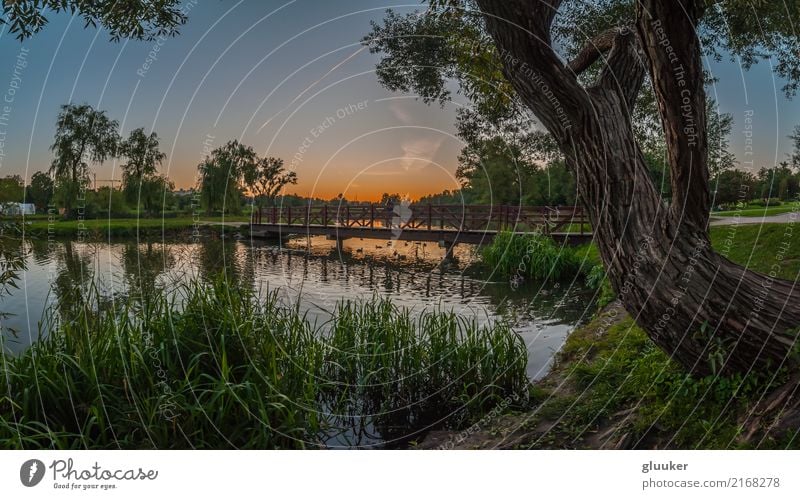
(706,312)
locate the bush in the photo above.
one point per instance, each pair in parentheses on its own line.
(763,203)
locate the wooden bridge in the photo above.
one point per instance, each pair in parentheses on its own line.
(446,224)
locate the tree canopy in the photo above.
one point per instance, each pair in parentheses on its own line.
(136,19)
(615,86)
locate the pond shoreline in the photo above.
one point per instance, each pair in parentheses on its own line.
(99,229)
(612,388)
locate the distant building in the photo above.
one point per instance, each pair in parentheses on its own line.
(12,209)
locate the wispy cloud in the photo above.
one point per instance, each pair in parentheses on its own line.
(419,150)
(399,112)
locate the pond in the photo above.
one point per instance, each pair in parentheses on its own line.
(312,273)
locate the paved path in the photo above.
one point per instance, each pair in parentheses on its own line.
(773,219)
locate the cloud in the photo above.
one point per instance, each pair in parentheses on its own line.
(419,150)
(396,107)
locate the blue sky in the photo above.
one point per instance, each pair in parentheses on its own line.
(290,79)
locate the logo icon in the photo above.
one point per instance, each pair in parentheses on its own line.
(31,472)
(402,214)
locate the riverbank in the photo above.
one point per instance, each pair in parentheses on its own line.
(612,388)
(117,227)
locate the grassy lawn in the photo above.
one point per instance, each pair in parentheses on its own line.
(755,211)
(760,247)
(122,226)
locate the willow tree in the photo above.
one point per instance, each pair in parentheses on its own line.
(141,182)
(221,177)
(588,71)
(83,135)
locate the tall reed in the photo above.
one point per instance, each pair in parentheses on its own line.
(213,366)
(533,256)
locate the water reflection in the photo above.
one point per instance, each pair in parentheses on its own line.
(312,274)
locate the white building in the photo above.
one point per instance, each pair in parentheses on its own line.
(18,209)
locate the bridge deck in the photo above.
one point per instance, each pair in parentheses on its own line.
(450,236)
(472,224)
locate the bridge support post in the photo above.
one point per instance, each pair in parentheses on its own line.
(339,241)
(448,247)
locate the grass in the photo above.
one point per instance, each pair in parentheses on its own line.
(763,247)
(756,212)
(613,383)
(120,226)
(576,228)
(216,367)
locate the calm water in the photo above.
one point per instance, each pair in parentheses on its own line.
(314,273)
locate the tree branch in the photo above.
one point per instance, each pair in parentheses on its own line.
(624,71)
(667,34)
(592,51)
(521,31)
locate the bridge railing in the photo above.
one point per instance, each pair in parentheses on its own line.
(427,217)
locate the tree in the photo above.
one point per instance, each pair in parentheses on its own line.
(143,187)
(778,182)
(83,135)
(494,170)
(734,186)
(143,155)
(706,312)
(794,157)
(153,193)
(40,190)
(266,177)
(221,176)
(139,19)
(12,190)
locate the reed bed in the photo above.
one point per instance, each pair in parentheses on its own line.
(210,366)
(533,256)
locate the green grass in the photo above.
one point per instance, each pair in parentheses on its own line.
(215,367)
(120,226)
(757,211)
(763,247)
(605,372)
(575,228)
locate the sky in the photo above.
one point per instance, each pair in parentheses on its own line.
(291,79)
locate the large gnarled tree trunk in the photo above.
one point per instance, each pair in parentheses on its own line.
(710,314)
